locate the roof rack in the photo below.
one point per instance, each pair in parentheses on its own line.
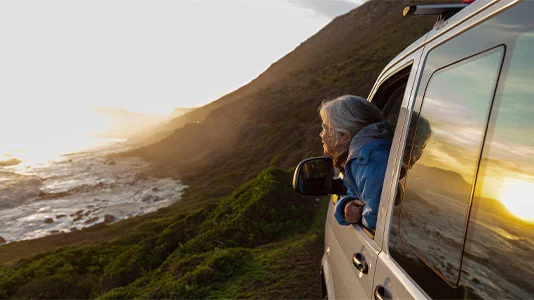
(444,11)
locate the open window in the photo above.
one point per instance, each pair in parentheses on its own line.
(388,97)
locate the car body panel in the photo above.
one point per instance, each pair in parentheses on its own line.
(341,243)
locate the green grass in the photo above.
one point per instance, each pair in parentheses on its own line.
(261,241)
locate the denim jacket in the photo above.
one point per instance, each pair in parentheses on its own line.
(365,171)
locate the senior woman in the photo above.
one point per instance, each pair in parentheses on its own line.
(358,140)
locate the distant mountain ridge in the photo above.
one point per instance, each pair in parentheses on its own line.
(441,181)
(135,126)
(120,123)
(179,111)
(158,131)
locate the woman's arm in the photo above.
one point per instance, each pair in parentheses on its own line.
(368,178)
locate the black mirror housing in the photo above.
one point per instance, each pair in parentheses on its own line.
(313,176)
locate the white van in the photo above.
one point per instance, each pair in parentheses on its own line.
(456,216)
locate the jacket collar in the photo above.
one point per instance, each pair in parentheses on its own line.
(372,132)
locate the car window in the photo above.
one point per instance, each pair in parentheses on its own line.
(444,149)
(388,98)
(499,250)
(438,187)
(389,95)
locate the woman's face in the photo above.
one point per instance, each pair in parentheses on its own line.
(333,142)
(324,137)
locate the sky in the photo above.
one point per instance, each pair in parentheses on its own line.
(60,60)
(67,57)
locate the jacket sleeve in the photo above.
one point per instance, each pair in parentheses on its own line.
(369,179)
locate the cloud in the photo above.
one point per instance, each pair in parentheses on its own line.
(329,8)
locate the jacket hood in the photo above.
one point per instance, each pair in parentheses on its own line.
(370,133)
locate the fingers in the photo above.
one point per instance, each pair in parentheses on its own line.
(353,211)
(358,202)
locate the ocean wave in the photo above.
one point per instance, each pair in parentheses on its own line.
(16,189)
(82,189)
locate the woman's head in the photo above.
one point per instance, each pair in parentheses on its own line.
(342,118)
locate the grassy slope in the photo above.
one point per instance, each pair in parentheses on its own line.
(212,244)
(260,241)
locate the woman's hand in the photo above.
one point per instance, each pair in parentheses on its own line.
(353,211)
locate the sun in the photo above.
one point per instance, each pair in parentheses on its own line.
(518,197)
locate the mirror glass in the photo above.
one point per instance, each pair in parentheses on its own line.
(313,176)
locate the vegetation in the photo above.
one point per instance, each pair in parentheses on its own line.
(242,247)
(240,231)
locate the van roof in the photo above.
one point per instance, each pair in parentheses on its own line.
(442,27)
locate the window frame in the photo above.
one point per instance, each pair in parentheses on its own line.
(398,76)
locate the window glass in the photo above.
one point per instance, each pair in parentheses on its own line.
(441,159)
(499,251)
(438,190)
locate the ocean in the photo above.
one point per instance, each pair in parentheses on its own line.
(56,193)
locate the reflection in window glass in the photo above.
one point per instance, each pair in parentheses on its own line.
(499,254)
(438,189)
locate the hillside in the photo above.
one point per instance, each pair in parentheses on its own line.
(273,120)
(158,131)
(240,231)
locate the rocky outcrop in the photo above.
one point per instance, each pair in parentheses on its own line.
(108,219)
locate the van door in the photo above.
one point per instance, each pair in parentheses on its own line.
(423,250)
(352,251)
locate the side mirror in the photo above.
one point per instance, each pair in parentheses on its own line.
(314,177)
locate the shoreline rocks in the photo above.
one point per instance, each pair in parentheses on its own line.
(77,215)
(91,220)
(108,219)
(110,163)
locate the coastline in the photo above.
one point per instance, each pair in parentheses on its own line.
(81,190)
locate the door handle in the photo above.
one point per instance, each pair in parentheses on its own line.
(360,263)
(380,293)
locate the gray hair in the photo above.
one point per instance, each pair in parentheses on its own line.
(349,114)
